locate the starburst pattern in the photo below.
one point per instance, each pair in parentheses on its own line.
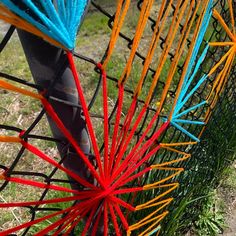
(122,164)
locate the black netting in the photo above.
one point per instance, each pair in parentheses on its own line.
(202,171)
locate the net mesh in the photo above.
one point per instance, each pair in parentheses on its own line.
(163,168)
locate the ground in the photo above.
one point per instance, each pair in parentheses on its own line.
(227,190)
(228,194)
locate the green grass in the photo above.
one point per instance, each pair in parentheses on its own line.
(229,180)
(211,220)
(191,203)
(94,24)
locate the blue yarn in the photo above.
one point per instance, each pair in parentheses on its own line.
(59,22)
(189,81)
(44,28)
(199,40)
(189,95)
(73,15)
(200,37)
(50,25)
(189,122)
(154,231)
(68,15)
(193,67)
(61,10)
(190,109)
(53,15)
(185,131)
(28,18)
(74,18)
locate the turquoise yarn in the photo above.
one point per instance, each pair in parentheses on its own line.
(193,67)
(59,19)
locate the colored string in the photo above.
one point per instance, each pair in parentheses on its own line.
(33,222)
(60,24)
(86,114)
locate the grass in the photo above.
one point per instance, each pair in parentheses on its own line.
(20,111)
(229,180)
(92,40)
(94,24)
(211,221)
(197,209)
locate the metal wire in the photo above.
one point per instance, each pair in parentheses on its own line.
(204,155)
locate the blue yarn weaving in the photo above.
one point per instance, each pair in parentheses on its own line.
(187,91)
(58,19)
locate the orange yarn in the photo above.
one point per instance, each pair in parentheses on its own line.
(15,20)
(7,139)
(144,14)
(118,23)
(13,88)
